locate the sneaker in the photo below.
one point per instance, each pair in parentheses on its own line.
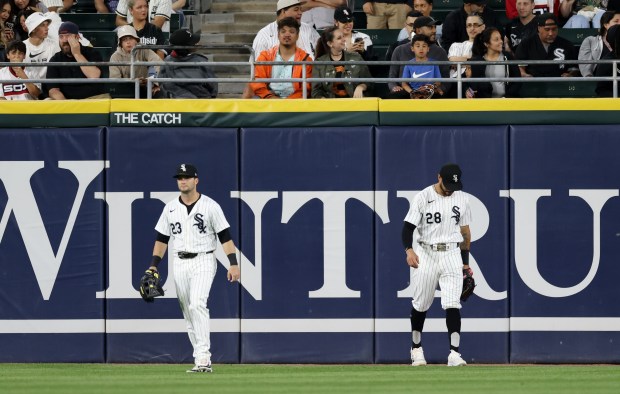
(455,359)
(201,368)
(417,357)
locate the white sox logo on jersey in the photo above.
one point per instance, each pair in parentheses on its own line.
(200,223)
(558,54)
(457,213)
(21,204)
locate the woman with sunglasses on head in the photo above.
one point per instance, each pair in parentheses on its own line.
(488,46)
(461,51)
(331,47)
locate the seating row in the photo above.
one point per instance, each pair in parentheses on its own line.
(107,22)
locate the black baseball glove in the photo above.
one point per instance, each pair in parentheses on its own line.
(423,92)
(468,284)
(150,286)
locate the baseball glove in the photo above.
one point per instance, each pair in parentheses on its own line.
(468,284)
(423,92)
(150,287)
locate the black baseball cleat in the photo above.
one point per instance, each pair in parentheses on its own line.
(200,368)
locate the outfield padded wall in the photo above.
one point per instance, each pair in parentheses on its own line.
(316,212)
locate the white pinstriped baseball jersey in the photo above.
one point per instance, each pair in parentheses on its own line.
(439,218)
(195,232)
(267,38)
(156,8)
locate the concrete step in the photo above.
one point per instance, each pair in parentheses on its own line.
(252,28)
(243,7)
(259,18)
(222,38)
(229,57)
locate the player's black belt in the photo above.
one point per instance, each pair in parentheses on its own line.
(442,247)
(189,255)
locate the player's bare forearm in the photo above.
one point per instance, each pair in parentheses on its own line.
(159,249)
(234,273)
(466,233)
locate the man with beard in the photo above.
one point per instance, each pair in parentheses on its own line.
(424,25)
(546,45)
(287,50)
(72,51)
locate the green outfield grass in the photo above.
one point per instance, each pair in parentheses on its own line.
(172,378)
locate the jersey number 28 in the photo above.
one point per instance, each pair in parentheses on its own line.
(433,218)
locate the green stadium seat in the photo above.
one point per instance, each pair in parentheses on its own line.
(559,89)
(121,90)
(105,52)
(381,37)
(497,4)
(100,38)
(576,36)
(92,21)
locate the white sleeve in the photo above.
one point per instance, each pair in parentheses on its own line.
(163,224)
(217,218)
(415,213)
(261,41)
(52,3)
(466,218)
(162,8)
(122,9)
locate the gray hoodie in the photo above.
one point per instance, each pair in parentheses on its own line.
(200,90)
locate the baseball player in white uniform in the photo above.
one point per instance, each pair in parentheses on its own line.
(194,223)
(441,213)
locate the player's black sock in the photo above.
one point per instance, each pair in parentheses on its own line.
(417,325)
(453,322)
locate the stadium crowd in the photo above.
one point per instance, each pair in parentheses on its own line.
(33,31)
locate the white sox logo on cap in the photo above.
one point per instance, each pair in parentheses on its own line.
(183,168)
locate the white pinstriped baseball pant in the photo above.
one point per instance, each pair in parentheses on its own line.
(193,279)
(443,268)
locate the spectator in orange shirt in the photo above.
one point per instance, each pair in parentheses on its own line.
(286,50)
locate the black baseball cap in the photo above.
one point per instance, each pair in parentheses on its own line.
(479,2)
(543,19)
(343,14)
(186,170)
(184,37)
(451,176)
(424,21)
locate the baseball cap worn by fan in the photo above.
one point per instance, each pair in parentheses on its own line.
(547,19)
(451,177)
(184,37)
(34,20)
(424,21)
(68,28)
(343,14)
(479,2)
(287,3)
(186,170)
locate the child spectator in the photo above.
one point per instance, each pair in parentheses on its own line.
(420,46)
(16,52)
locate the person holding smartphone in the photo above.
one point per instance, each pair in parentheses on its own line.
(355,41)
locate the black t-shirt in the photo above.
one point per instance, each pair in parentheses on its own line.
(532,48)
(151,35)
(517,31)
(73,90)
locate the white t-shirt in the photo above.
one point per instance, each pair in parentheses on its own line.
(156,8)
(40,54)
(18,90)
(195,232)
(267,38)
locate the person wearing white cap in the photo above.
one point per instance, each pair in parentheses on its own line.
(39,47)
(267,37)
(127,40)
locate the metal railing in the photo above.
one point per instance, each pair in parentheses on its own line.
(305,79)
